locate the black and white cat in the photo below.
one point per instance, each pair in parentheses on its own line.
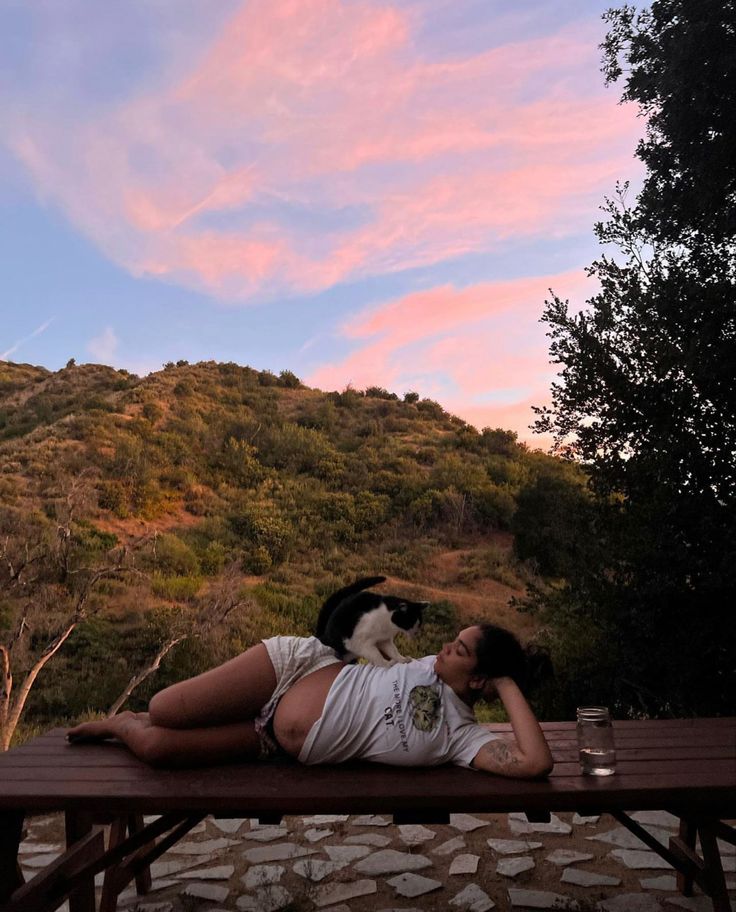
(360,624)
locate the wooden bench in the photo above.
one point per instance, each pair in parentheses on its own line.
(687,767)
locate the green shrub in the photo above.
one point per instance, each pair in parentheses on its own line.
(170,556)
(257,561)
(112,495)
(176,588)
(263,528)
(378,392)
(212,559)
(289,380)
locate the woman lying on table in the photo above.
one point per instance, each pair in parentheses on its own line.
(293,694)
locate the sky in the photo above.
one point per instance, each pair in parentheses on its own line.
(364,193)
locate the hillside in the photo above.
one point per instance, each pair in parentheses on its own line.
(295,490)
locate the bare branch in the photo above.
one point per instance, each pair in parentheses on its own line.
(145,672)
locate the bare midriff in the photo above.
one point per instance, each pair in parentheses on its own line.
(301,706)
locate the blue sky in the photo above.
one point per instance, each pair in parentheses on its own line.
(360,192)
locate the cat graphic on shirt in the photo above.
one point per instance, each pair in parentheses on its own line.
(360,624)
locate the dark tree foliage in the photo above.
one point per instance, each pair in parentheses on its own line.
(646,398)
(679,59)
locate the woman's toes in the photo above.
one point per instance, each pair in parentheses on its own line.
(88,731)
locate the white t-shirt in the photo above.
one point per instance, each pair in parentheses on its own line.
(403,715)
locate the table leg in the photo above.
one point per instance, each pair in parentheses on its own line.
(688,834)
(143,877)
(83,898)
(11,830)
(713,868)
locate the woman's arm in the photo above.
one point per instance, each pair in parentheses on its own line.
(528,755)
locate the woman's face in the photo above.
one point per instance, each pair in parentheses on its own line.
(457,659)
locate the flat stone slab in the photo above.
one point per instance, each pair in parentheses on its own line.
(512,846)
(316,869)
(657,818)
(567,856)
(280,852)
(262,875)
(161,884)
(331,893)
(369,839)
(588,878)
(35,848)
(267,833)
(265,899)
(229,824)
(211,892)
(450,846)
(156,907)
(625,839)
(40,861)
(630,902)
(583,820)
(207,847)
(347,853)
(540,899)
(315,835)
(466,823)
(464,864)
(518,824)
(411,885)
(663,882)
(415,834)
(220,872)
(371,820)
(512,867)
(473,899)
(639,860)
(389,861)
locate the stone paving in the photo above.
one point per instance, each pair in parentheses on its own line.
(365,864)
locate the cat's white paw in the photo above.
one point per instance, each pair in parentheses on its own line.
(404,659)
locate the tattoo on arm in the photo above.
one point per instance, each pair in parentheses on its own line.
(499,757)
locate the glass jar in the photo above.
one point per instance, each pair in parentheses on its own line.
(595,741)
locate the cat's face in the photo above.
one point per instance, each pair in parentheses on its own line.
(405,614)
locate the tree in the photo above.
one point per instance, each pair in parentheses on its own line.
(680,68)
(212,610)
(48,582)
(646,399)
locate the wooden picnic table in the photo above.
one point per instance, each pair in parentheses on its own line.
(684,766)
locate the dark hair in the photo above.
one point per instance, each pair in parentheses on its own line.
(500,655)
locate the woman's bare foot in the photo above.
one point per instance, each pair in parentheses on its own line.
(101,729)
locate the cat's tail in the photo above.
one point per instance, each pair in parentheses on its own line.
(334,600)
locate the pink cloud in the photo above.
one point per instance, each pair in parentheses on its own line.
(518,416)
(321,105)
(479,350)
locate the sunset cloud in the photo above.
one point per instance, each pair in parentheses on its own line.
(316,142)
(104,346)
(480,351)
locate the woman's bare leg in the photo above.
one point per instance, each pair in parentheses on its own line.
(232,692)
(172,747)
(202,720)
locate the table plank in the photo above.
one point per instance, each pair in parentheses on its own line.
(662,764)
